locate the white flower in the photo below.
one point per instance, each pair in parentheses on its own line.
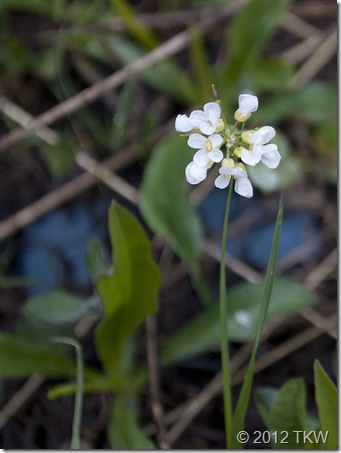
(260,148)
(196,173)
(247,105)
(260,136)
(208,148)
(183,124)
(208,120)
(242,183)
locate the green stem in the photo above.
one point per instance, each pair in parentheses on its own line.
(77,414)
(225,358)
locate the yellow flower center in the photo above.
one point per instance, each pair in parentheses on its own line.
(208,146)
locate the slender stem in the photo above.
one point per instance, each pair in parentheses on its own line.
(225,358)
(77,414)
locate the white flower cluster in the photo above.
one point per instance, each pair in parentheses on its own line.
(209,134)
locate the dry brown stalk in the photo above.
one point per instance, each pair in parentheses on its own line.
(90,94)
(316,61)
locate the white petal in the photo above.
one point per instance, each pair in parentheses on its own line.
(216,140)
(212,108)
(250,157)
(216,155)
(207,128)
(262,136)
(247,103)
(239,173)
(226,170)
(271,158)
(194,173)
(199,171)
(183,124)
(243,187)
(196,141)
(222,182)
(201,158)
(268,133)
(197,118)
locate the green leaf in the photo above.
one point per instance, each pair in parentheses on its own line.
(202,333)
(288,413)
(56,307)
(129,294)
(315,103)
(96,260)
(123,431)
(327,403)
(246,42)
(268,74)
(20,358)
(264,399)
(164,203)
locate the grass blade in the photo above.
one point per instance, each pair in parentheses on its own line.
(243,400)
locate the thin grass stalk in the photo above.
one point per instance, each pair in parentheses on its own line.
(77,414)
(243,400)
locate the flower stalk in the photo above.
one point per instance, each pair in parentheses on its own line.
(225,356)
(234,148)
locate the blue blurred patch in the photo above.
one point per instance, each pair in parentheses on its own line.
(253,244)
(54,248)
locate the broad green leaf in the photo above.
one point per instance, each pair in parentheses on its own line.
(327,403)
(164,203)
(20,358)
(56,307)
(268,74)
(246,42)
(202,333)
(264,398)
(315,103)
(129,293)
(96,260)
(123,431)
(288,413)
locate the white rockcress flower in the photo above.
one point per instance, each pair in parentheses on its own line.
(247,105)
(207,120)
(238,171)
(208,148)
(196,173)
(260,148)
(228,144)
